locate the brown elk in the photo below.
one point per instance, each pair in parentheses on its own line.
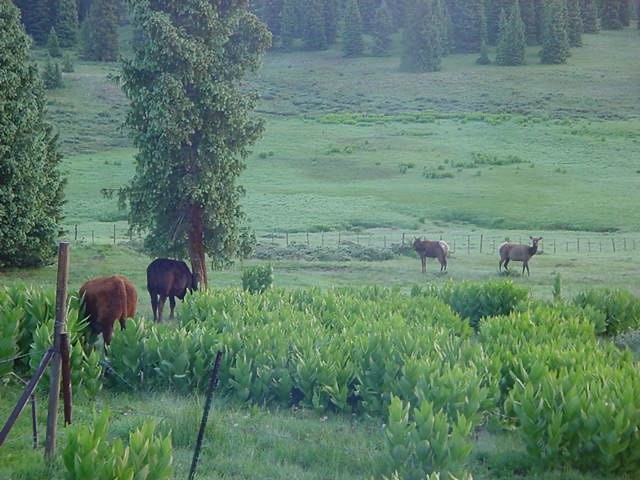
(431,249)
(519,253)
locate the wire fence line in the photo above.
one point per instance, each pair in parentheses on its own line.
(459,243)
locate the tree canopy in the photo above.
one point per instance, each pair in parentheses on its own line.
(190,118)
(31,186)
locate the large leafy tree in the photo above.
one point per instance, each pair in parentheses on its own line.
(191,120)
(31,187)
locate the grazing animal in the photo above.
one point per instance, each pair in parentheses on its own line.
(168,278)
(431,249)
(107,299)
(519,253)
(445,247)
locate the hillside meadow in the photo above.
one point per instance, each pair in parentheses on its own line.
(356,160)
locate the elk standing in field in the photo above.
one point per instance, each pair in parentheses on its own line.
(519,253)
(431,249)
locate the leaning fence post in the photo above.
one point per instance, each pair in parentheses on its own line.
(59,329)
(205,415)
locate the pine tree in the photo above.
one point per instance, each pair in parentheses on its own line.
(589,14)
(367,10)
(555,42)
(494,7)
(511,41)
(484,48)
(52,75)
(37,18)
(352,42)
(31,186)
(331,20)
(290,21)
(610,15)
(422,39)
(466,18)
(314,33)
(530,19)
(191,119)
(382,30)
(100,32)
(574,23)
(53,45)
(66,23)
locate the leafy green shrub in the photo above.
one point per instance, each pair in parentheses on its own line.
(422,441)
(89,455)
(473,301)
(257,279)
(620,307)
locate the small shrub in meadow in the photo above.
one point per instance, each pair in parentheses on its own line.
(257,279)
(620,307)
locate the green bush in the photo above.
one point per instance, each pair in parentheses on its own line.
(89,455)
(257,279)
(474,301)
(620,307)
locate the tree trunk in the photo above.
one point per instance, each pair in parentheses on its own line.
(196,246)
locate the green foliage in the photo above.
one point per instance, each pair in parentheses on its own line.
(53,44)
(66,22)
(474,301)
(31,186)
(621,309)
(52,75)
(352,41)
(423,441)
(511,40)
(88,454)
(574,23)
(191,121)
(100,32)
(555,39)
(423,45)
(589,14)
(257,279)
(382,30)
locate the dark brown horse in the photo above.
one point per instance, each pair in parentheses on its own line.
(430,249)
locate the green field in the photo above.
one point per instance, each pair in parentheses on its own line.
(357,154)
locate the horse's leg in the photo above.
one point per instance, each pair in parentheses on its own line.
(506,262)
(423,259)
(172,305)
(163,298)
(154,305)
(525,265)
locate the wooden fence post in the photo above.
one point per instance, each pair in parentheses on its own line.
(59,329)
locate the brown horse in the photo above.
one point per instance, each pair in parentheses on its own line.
(518,253)
(430,249)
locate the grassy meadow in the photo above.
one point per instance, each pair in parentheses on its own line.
(357,153)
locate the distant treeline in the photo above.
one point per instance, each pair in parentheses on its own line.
(320,24)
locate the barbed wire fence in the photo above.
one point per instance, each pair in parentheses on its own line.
(459,243)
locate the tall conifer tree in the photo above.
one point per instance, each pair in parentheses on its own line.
(66,23)
(610,15)
(555,41)
(352,42)
(191,120)
(574,23)
(100,32)
(589,14)
(290,22)
(423,34)
(511,41)
(466,18)
(31,186)
(314,33)
(382,30)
